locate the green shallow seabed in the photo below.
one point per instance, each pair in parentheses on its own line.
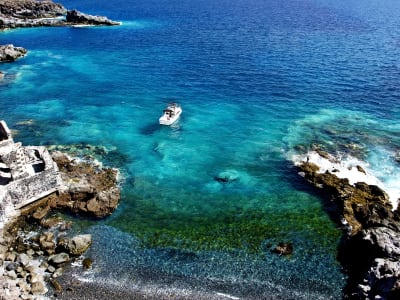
(229,227)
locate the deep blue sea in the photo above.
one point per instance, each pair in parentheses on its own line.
(258,80)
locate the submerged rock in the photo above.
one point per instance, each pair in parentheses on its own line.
(283,249)
(227,176)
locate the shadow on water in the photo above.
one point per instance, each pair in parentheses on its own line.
(150,129)
(290,173)
(347,253)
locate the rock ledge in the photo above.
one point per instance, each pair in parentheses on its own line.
(370,247)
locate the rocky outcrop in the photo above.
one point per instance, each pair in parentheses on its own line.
(31,9)
(370,248)
(88,188)
(77,17)
(36,247)
(32,13)
(10,53)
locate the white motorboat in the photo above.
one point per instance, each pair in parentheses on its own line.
(170,114)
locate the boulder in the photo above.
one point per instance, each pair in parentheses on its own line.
(77,245)
(386,240)
(23,259)
(9,53)
(38,288)
(227,176)
(382,280)
(59,258)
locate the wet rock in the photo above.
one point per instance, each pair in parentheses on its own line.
(59,258)
(77,17)
(87,263)
(23,259)
(360,169)
(51,269)
(41,212)
(384,277)
(88,188)
(77,245)
(283,249)
(9,53)
(227,176)
(58,272)
(386,240)
(56,285)
(51,222)
(38,288)
(370,249)
(397,156)
(47,244)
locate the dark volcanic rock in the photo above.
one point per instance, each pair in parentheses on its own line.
(370,248)
(9,53)
(76,17)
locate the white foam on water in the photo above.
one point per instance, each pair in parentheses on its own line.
(228,296)
(346,167)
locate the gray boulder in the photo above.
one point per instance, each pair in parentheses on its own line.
(59,258)
(384,239)
(9,53)
(382,280)
(77,245)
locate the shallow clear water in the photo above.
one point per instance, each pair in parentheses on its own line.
(257,80)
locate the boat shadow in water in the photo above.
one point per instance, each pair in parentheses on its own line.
(152,128)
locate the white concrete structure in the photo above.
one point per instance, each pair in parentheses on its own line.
(27,174)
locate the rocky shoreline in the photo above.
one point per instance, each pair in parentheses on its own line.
(370,247)
(32,13)
(36,246)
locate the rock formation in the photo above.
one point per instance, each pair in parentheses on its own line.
(88,189)
(370,248)
(35,246)
(9,53)
(32,13)
(77,17)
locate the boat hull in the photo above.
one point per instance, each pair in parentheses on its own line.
(166,120)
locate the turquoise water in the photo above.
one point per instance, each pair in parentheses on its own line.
(257,80)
